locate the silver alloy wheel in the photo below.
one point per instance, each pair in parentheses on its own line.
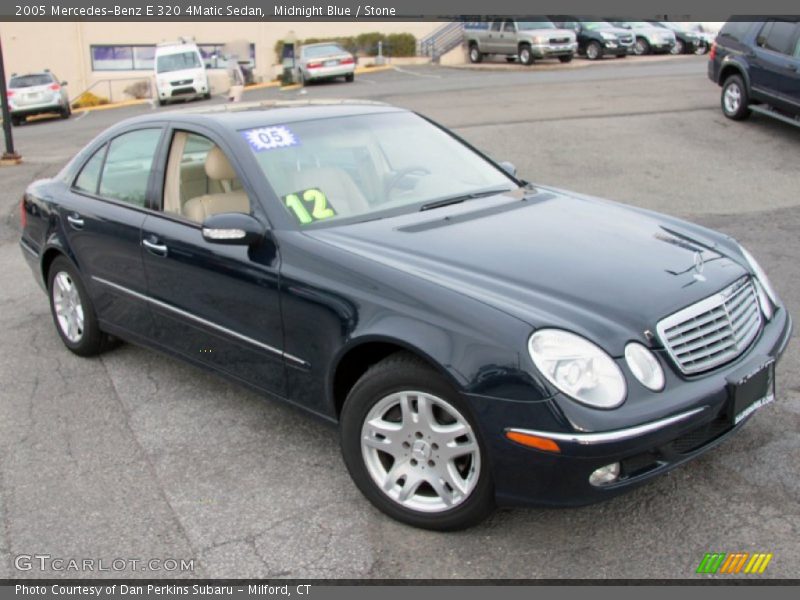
(474,54)
(524,56)
(592,51)
(732,97)
(677,48)
(639,48)
(68,307)
(420,451)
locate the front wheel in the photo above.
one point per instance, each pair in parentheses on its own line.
(72,309)
(525,55)
(594,51)
(412,447)
(565,59)
(734,99)
(678,48)
(17,121)
(641,47)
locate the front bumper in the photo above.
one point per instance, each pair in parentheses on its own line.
(611,48)
(553,50)
(693,421)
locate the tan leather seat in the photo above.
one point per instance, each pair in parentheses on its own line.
(342,192)
(218,169)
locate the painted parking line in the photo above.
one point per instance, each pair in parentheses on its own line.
(428,75)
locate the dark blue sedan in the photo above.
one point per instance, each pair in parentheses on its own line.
(479,340)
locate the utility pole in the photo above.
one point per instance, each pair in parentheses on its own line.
(9,157)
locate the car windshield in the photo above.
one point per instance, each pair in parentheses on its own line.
(669,25)
(23,81)
(639,24)
(593,25)
(537,23)
(369,166)
(177,62)
(320,51)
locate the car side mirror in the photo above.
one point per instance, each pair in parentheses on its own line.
(236,229)
(63,83)
(509,168)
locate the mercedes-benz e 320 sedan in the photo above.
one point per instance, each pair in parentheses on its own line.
(478,340)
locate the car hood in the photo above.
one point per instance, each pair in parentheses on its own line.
(559,33)
(195,73)
(602,269)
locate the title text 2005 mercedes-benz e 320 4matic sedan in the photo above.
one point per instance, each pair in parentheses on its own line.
(478,339)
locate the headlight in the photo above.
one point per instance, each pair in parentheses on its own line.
(578,368)
(644,366)
(539,40)
(763,286)
(608,36)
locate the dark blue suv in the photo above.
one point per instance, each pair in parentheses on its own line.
(757,64)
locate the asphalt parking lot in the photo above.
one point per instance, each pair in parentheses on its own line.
(137,456)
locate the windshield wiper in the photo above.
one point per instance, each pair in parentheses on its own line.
(459,199)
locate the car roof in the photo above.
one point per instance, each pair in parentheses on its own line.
(14,75)
(246,115)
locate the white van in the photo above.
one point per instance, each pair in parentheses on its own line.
(180,72)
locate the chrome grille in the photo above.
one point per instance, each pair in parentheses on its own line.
(714,330)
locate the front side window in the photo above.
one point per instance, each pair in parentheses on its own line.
(128,165)
(177,62)
(777,36)
(364,165)
(541,23)
(89,178)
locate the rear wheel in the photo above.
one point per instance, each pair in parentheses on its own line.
(734,99)
(525,54)
(475,55)
(66,112)
(162,102)
(594,51)
(412,447)
(565,59)
(72,309)
(678,48)
(350,77)
(17,121)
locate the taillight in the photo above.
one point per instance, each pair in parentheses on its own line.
(347,61)
(314,65)
(713,53)
(55,87)
(9,93)
(23,214)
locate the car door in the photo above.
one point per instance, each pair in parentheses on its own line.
(102,215)
(216,304)
(493,37)
(773,66)
(508,38)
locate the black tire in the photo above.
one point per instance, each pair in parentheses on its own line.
(350,78)
(678,48)
(17,121)
(594,51)
(66,112)
(475,55)
(162,102)
(733,86)
(92,340)
(641,47)
(404,372)
(565,59)
(525,54)
(207,96)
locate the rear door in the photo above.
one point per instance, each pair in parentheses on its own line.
(774,66)
(102,215)
(215,304)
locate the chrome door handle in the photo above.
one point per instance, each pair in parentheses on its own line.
(159,249)
(76,221)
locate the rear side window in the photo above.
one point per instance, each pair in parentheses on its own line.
(89,177)
(777,36)
(128,165)
(735,30)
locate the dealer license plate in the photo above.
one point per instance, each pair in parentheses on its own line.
(750,392)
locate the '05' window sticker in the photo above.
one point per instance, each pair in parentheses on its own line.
(270,138)
(309,206)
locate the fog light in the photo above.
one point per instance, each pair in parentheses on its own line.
(605,475)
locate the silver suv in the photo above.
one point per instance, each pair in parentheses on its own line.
(529,40)
(35,94)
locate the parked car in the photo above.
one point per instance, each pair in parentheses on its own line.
(757,65)
(325,60)
(650,39)
(36,94)
(478,339)
(706,34)
(530,40)
(687,40)
(179,72)
(597,39)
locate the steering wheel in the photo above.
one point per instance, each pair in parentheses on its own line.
(398,176)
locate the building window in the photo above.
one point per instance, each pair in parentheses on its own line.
(141,57)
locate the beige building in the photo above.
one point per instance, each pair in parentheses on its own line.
(108,57)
